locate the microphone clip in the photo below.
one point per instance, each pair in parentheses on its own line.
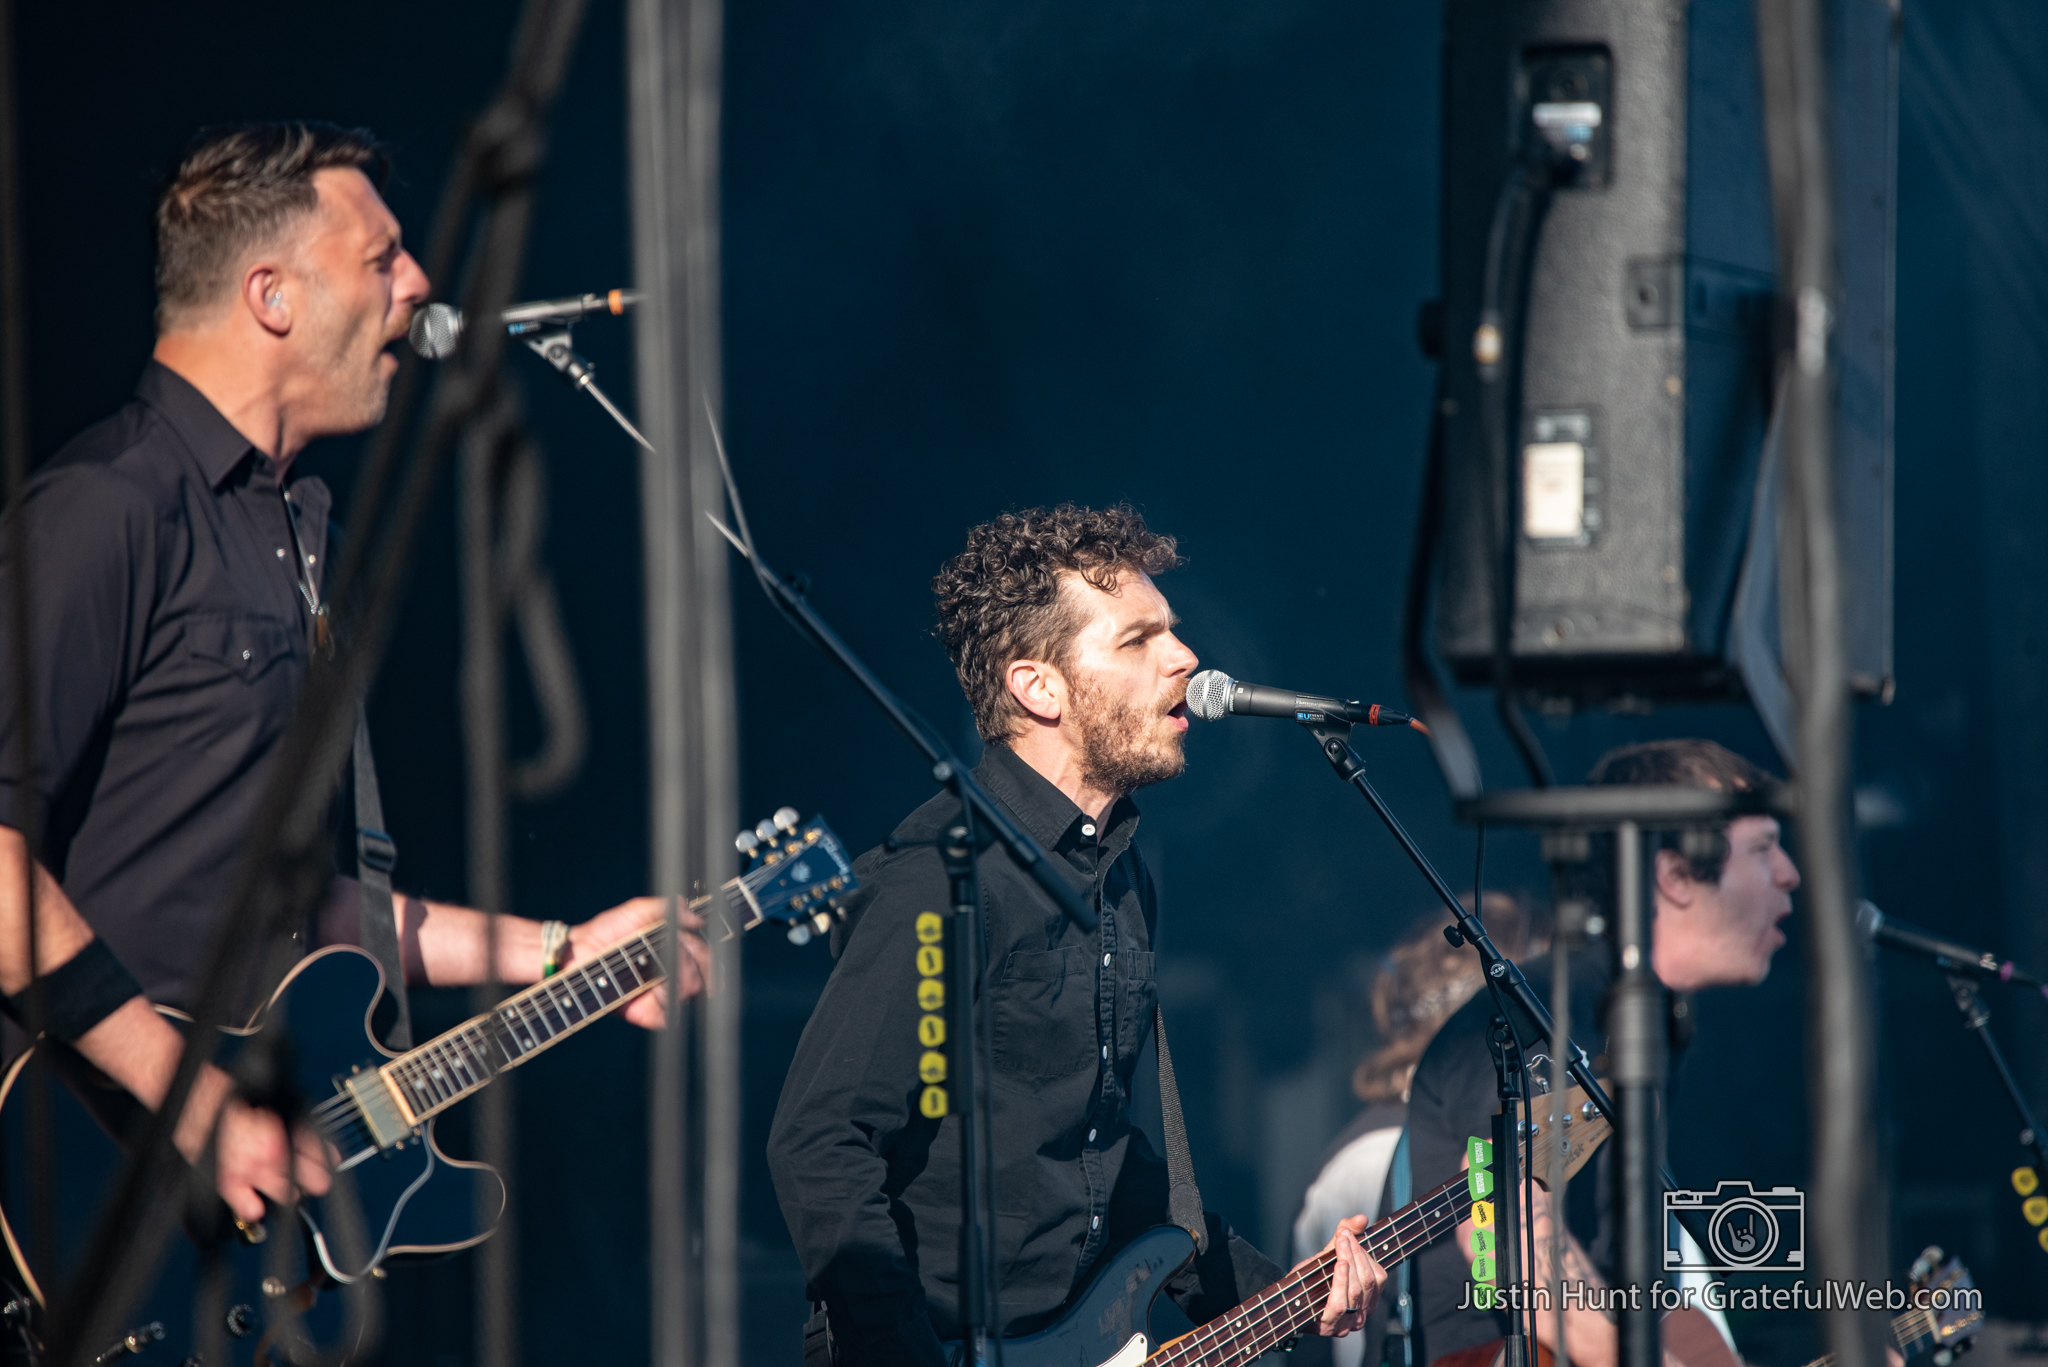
(1333,738)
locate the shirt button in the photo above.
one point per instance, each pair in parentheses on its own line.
(1105,1051)
(1105,961)
(245,654)
(1095,1222)
(1091,1136)
(1088,828)
(280,552)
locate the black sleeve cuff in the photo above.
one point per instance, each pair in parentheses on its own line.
(75,996)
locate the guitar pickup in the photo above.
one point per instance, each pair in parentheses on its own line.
(382,1116)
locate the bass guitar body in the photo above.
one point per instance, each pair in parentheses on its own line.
(1106,1326)
(414,1201)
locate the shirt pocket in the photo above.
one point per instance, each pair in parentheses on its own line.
(246,646)
(1045,1014)
(1137,994)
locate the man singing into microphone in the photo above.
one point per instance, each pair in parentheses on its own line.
(1067,653)
(176,565)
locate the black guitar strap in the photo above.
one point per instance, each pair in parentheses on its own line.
(376,856)
(1183,1197)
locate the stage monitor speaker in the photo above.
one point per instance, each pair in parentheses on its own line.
(1644,542)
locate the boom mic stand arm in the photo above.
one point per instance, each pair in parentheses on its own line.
(1977,1020)
(1502,974)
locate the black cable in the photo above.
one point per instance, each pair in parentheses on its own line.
(1511,243)
(1448,738)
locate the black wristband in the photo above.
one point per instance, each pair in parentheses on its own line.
(76,995)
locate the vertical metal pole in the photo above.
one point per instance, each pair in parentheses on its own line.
(673,82)
(1848,1228)
(1559,1120)
(1635,1051)
(483,723)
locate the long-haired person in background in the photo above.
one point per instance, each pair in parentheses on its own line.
(1420,983)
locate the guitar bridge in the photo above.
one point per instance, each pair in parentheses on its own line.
(382,1116)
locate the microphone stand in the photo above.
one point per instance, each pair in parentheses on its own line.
(553,345)
(981,1320)
(1977,1020)
(1502,975)
(1634,1044)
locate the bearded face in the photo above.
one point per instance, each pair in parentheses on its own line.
(1127,743)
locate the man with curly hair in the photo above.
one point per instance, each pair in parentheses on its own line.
(1066,650)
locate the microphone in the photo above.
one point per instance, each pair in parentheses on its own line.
(1214,695)
(438,327)
(1881,929)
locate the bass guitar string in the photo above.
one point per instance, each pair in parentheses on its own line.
(1308,1289)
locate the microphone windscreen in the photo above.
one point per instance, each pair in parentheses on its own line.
(435,331)
(1209,695)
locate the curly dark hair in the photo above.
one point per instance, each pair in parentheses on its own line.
(234,191)
(1000,601)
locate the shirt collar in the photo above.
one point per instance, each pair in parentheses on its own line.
(213,441)
(1046,813)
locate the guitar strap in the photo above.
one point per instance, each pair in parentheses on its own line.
(1183,1197)
(376,856)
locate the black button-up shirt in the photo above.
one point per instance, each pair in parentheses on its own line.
(167,639)
(871,1188)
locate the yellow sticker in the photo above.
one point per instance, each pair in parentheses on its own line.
(932,1102)
(2043,1238)
(931,994)
(2036,1210)
(2024,1180)
(931,1031)
(931,1066)
(1482,1215)
(929,928)
(931,960)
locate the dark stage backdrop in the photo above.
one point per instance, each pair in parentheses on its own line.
(980,256)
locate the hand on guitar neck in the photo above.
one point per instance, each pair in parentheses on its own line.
(448,946)
(1355,1283)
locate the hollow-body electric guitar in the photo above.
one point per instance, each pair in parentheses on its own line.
(1107,1326)
(379,1108)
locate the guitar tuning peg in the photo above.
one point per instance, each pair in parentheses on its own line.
(766,830)
(822,922)
(799,933)
(786,818)
(746,842)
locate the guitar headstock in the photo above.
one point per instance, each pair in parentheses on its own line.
(1931,1328)
(1582,1130)
(797,873)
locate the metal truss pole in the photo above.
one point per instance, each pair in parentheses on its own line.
(673,61)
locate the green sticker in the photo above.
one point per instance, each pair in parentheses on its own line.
(1482,1269)
(1482,1242)
(1483,1296)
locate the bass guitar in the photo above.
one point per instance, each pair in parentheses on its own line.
(1943,1322)
(1106,1327)
(380,1106)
